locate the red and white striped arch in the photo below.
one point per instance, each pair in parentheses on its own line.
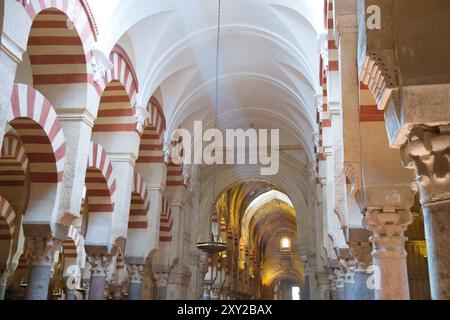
(118,96)
(40,131)
(122,72)
(13,162)
(100,185)
(175,175)
(73,249)
(7,220)
(166,223)
(140,204)
(151,149)
(62,35)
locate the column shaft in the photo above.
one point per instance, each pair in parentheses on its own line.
(40,269)
(99,270)
(437,228)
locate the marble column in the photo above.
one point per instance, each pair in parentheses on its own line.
(340,284)
(135,274)
(361,286)
(428,153)
(306,290)
(4,277)
(99,271)
(118,292)
(389,255)
(86,286)
(162,280)
(323,282)
(39,274)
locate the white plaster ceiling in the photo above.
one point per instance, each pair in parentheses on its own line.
(269,60)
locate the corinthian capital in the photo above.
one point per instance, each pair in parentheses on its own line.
(162,279)
(427,152)
(43,250)
(388,227)
(135,272)
(99,264)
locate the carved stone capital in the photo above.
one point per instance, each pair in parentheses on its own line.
(162,279)
(99,265)
(142,115)
(361,247)
(43,250)
(363,254)
(337,279)
(427,152)
(388,227)
(135,272)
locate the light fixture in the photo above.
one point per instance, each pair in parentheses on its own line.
(215,245)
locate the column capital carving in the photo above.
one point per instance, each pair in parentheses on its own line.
(43,250)
(427,152)
(99,264)
(162,279)
(388,227)
(393,196)
(363,254)
(135,272)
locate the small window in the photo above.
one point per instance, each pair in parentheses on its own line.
(286,244)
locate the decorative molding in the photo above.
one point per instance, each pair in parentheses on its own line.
(100,64)
(142,116)
(353,174)
(379,76)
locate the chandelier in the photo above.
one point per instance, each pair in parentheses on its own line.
(215,245)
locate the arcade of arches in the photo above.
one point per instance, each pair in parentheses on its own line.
(92,207)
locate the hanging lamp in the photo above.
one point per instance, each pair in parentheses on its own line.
(215,244)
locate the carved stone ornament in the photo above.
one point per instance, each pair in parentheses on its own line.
(99,265)
(162,279)
(427,152)
(135,273)
(43,250)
